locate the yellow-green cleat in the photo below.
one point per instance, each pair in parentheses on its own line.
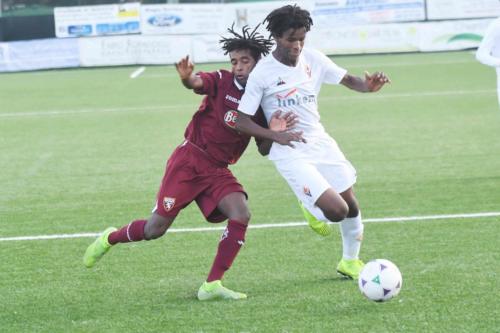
(98,248)
(350,268)
(320,227)
(214,290)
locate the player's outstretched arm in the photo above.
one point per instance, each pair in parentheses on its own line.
(483,53)
(185,69)
(371,82)
(246,125)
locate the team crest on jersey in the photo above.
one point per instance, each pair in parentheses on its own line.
(307,191)
(308,71)
(230,118)
(168,203)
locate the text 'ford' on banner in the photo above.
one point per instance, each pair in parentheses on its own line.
(182,19)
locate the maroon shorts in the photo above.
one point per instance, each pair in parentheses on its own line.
(191,175)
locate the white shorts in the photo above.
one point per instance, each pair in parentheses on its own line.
(324,167)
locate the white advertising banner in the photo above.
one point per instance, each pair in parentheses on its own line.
(38,54)
(452,35)
(206,48)
(379,38)
(216,18)
(459,9)
(207,19)
(252,14)
(97,20)
(134,49)
(327,13)
(402,37)
(183,19)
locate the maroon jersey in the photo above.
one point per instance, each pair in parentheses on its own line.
(212,126)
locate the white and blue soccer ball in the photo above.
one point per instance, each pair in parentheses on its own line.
(380,280)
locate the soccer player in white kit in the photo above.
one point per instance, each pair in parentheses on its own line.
(488,52)
(317,171)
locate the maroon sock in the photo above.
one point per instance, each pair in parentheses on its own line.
(231,241)
(132,232)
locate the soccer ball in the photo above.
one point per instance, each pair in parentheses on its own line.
(380,280)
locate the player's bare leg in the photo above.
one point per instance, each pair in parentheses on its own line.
(234,206)
(332,204)
(344,208)
(157,226)
(138,230)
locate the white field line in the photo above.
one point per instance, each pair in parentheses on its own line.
(267,226)
(193,105)
(380,66)
(137,72)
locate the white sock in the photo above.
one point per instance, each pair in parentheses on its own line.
(351,230)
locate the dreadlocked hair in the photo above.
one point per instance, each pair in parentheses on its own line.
(253,41)
(286,17)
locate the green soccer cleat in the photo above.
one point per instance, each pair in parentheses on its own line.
(319,227)
(97,249)
(350,268)
(215,290)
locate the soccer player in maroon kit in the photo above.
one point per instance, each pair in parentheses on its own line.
(198,168)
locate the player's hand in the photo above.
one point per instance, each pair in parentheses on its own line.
(286,138)
(184,67)
(291,119)
(281,122)
(376,80)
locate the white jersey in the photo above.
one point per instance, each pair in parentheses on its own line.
(275,86)
(488,52)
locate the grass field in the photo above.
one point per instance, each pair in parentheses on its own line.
(81,150)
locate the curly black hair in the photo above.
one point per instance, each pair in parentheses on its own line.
(286,17)
(257,44)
